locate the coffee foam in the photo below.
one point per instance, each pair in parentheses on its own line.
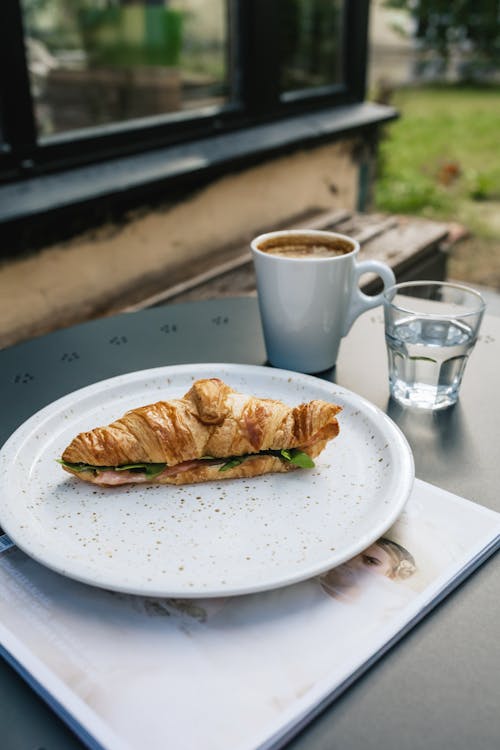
(306,246)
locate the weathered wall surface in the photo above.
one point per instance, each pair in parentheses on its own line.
(113,267)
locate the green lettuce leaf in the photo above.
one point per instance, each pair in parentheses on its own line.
(152,470)
(235,461)
(79,467)
(298,457)
(290,455)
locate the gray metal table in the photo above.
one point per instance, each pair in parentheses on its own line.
(439,687)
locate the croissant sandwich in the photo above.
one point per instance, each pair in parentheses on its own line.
(213,432)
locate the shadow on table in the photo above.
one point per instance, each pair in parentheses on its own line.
(440,440)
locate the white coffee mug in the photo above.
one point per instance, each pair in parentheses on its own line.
(307,304)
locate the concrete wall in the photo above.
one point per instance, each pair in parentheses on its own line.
(104,271)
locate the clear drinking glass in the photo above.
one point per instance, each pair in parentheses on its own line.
(430,330)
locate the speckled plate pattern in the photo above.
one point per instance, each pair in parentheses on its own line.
(211,539)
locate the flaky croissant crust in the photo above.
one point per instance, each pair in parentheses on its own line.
(210,420)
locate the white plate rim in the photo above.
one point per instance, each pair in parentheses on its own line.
(401,496)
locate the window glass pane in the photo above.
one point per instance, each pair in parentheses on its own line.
(310,40)
(94,62)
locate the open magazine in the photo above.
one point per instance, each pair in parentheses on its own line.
(237,673)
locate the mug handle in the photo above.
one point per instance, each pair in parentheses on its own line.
(361,302)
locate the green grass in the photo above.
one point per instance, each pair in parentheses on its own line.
(442,157)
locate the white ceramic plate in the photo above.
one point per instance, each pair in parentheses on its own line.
(203,540)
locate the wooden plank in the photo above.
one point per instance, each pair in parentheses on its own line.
(198,282)
(411,246)
(240,256)
(404,247)
(408,239)
(366,231)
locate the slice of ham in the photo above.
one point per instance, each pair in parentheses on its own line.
(110,477)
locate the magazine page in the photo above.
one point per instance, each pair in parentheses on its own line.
(236,673)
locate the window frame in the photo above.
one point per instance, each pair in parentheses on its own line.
(257,100)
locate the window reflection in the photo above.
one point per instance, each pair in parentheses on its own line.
(311,36)
(94,62)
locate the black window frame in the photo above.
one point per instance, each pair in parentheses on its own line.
(24,156)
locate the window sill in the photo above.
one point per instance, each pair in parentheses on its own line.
(141,175)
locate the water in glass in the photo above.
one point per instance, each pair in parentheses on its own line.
(427,359)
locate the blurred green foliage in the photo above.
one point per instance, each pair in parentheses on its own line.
(442,153)
(111,33)
(467,28)
(131,35)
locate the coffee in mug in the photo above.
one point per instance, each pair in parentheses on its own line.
(309,295)
(305,246)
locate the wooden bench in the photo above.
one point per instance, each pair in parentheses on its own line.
(414,248)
